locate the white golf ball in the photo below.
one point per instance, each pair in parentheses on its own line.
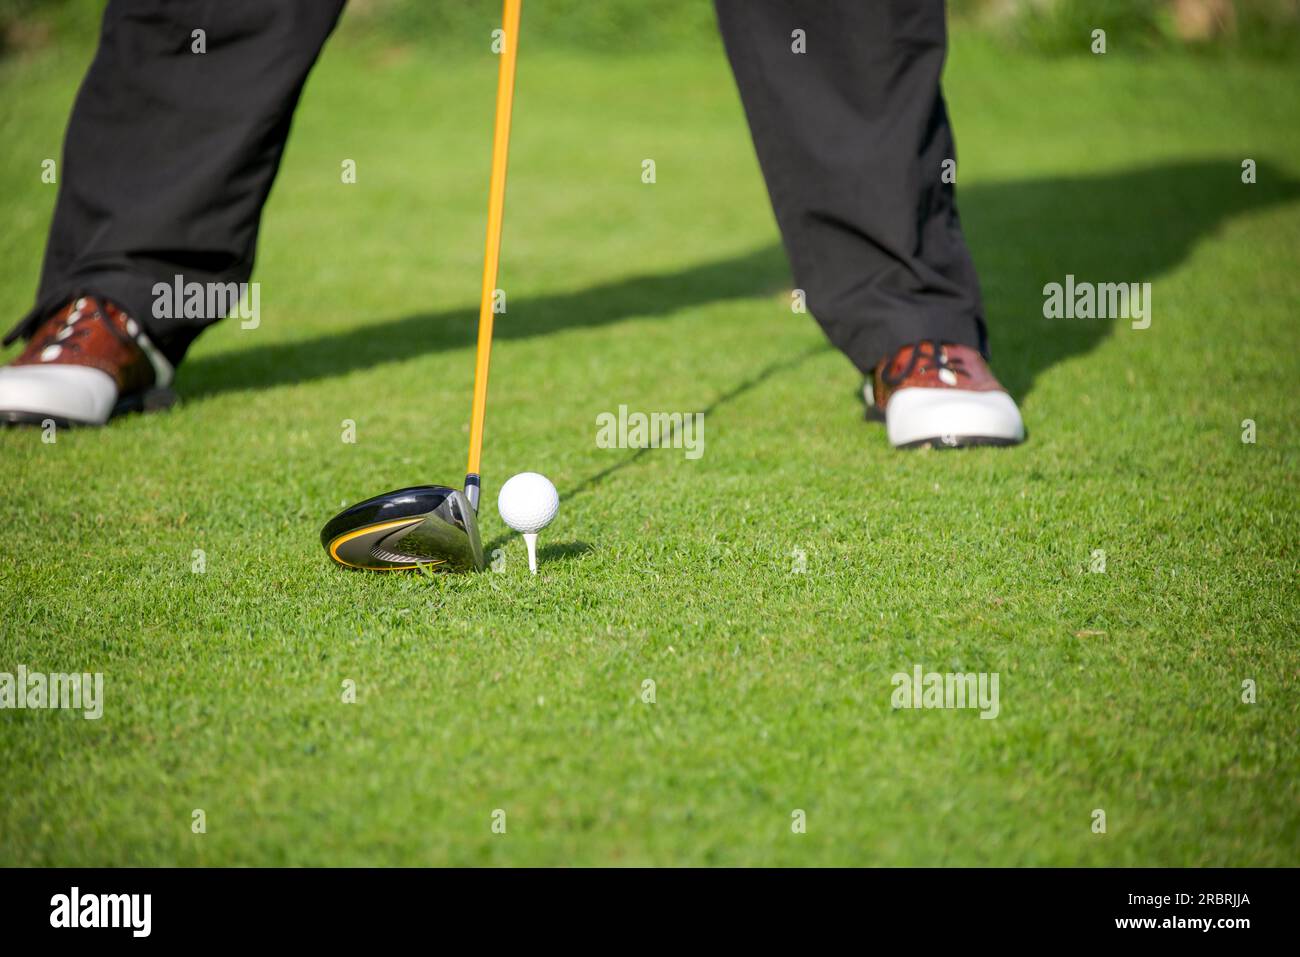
(528,502)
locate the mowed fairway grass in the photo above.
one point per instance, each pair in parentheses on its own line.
(1120,690)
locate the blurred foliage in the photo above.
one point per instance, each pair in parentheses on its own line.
(35,24)
(614,26)
(1264,28)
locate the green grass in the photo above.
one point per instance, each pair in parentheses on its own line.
(1119,691)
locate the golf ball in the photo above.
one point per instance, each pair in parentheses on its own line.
(528,502)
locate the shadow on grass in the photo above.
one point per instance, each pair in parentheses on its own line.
(563,550)
(666,438)
(758,272)
(1130,226)
(546,554)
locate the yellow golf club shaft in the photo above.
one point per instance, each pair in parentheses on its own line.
(492,250)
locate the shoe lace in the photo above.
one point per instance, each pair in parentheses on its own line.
(76,327)
(936,354)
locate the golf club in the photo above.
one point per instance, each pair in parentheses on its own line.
(436,526)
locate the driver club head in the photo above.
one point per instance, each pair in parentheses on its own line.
(433,526)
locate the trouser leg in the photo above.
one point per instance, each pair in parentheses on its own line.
(852,136)
(170,153)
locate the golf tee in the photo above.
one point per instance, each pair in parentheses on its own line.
(530,539)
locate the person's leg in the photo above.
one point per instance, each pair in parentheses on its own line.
(852,136)
(170,153)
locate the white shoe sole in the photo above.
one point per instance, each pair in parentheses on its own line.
(67,394)
(952,418)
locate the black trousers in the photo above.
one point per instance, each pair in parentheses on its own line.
(170,155)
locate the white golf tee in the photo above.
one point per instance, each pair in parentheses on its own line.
(530,539)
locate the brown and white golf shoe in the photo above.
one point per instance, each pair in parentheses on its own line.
(941,395)
(84,364)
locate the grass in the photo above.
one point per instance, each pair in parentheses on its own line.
(1120,690)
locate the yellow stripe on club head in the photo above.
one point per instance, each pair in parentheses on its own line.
(344,539)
